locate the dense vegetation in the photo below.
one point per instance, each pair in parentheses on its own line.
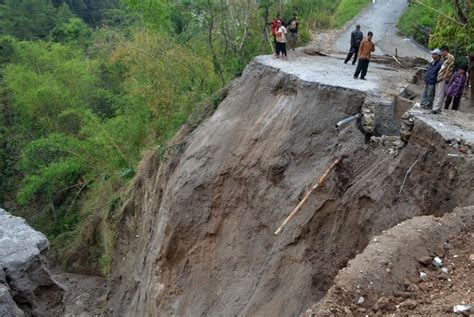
(87,85)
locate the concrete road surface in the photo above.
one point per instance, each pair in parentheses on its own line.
(381,18)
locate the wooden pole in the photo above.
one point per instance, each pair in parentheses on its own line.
(322,179)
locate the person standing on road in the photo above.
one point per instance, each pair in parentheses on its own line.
(444,76)
(281,40)
(274,25)
(292,26)
(356,38)
(365,50)
(455,88)
(431,78)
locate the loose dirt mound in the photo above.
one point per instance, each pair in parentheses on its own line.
(385,278)
(196,234)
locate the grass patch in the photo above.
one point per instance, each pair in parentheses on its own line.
(418,22)
(347,10)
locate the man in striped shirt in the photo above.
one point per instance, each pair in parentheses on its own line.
(444,76)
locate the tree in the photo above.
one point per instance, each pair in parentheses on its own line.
(30,19)
(91,11)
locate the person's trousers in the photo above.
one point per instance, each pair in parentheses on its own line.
(292,39)
(440,93)
(428,97)
(362,68)
(353,52)
(281,48)
(456,102)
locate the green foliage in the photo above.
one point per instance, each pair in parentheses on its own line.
(347,10)
(83,94)
(30,19)
(437,28)
(418,21)
(73,31)
(91,11)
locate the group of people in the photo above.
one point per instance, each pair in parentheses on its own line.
(443,86)
(362,50)
(285,32)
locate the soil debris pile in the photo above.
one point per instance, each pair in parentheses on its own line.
(195,236)
(428,278)
(26,286)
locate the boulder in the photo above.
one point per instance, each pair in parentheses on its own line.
(26,286)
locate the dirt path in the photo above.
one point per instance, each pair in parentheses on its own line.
(382,18)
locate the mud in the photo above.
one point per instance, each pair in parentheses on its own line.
(196,233)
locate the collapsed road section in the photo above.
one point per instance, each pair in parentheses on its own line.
(196,233)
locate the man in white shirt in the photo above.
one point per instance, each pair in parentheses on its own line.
(281,40)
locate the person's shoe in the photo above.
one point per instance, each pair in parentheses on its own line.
(355,77)
(363,78)
(345,62)
(353,63)
(435,112)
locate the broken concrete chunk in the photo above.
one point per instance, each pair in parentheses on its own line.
(360,300)
(423,275)
(437,262)
(8,307)
(462,309)
(26,286)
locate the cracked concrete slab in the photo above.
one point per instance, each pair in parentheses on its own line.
(331,71)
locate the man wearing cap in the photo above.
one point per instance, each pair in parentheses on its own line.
(444,76)
(431,78)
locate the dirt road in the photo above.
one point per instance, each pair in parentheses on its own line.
(382,18)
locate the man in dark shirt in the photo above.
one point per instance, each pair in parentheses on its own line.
(292,27)
(356,38)
(431,78)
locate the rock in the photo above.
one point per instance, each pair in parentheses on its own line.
(347,311)
(8,307)
(382,303)
(24,274)
(425,260)
(409,304)
(462,309)
(471,259)
(402,294)
(437,262)
(360,300)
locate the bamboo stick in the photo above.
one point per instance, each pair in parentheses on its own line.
(322,179)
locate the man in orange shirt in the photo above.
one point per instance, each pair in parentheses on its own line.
(365,50)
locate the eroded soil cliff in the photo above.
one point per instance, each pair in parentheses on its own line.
(195,236)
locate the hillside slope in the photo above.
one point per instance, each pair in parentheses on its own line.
(196,234)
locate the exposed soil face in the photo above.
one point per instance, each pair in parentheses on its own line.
(196,235)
